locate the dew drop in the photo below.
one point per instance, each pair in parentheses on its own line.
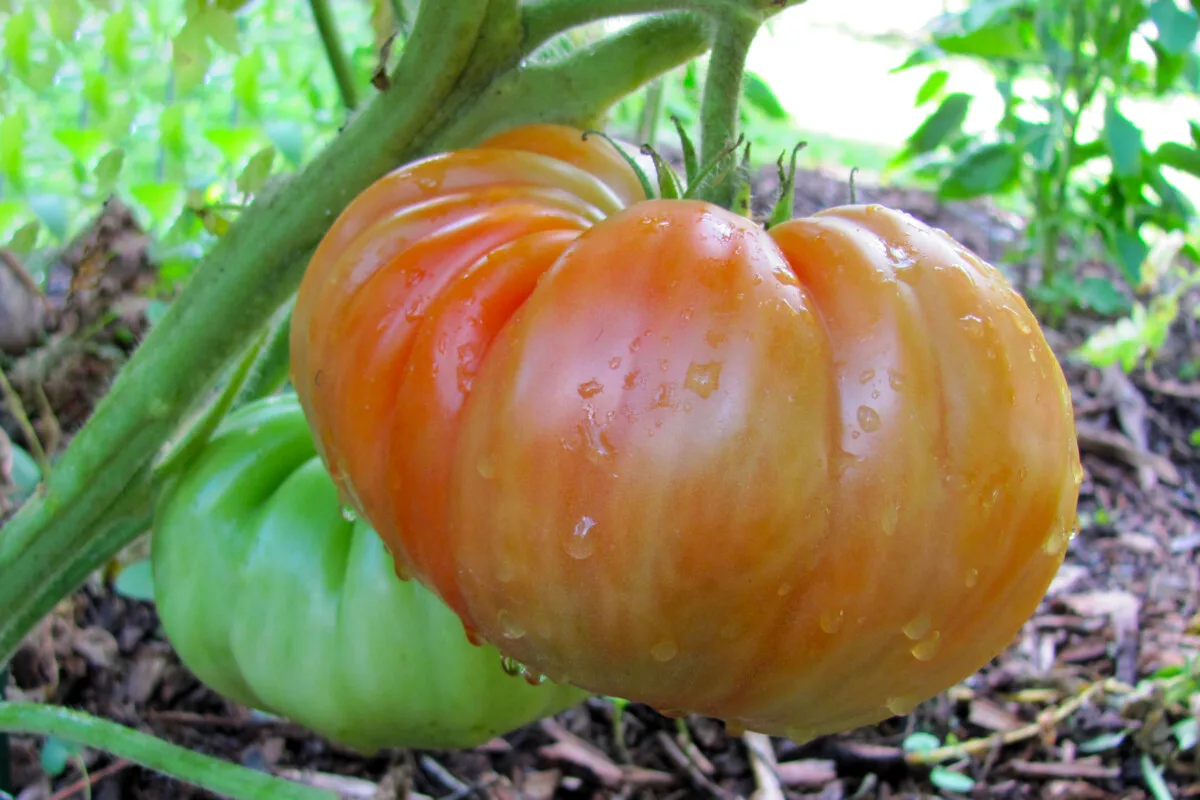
(1056,543)
(663,365)
(840,461)
(511,666)
(868,419)
(348,514)
(511,628)
(687,313)
(831,620)
(533,678)
(866,376)
(918,626)
(895,379)
(785,589)
(1077,473)
(703,379)
(664,651)
(581,544)
(1033,355)
(614,362)
(486,466)
(800,735)
(590,388)
(972,579)
(927,648)
(973,325)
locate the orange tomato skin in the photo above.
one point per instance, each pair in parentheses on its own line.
(799,480)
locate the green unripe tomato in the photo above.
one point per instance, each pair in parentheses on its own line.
(276,601)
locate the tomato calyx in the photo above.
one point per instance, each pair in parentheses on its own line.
(787,189)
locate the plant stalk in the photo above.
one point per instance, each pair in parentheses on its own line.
(206,772)
(721,107)
(343,74)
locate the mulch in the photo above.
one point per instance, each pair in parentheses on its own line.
(1068,711)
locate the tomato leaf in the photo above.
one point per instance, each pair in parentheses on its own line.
(257,170)
(53,211)
(920,742)
(108,168)
(288,138)
(26,237)
(1131,251)
(985,170)
(245,80)
(235,144)
(83,145)
(941,124)
(932,85)
(56,753)
(117,26)
(949,781)
(758,94)
(1181,157)
(95,91)
(65,16)
(12,145)
(160,200)
(136,581)
(18,31)
(172,130)
(1177,28)
(1124,141)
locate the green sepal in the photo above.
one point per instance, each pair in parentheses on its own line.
(715,172)
(690,163)
(647,186)
(742,188)
(668,181)
(787,189)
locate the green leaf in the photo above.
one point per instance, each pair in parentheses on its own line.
(53,211)
(190,56)
(55,755)
(758,94)
(941,124)
(221,26)
(1103,742)
(64,18)
(95,91)
(1168,67)
(949,781)
(25,239)
(25,474)
(235,144)
(1177,28)
(108,168)
(1131,251)
(988,169)
(161,201)
(288,137)
(1152,775)
(1179,156)
(1187,731)
(172,130)
(257,170)
(18,32)
(245,80)
(1124,141)
(1195,133)
(920,742)
(83,145)
(932,85)
(1101,296)
(117,26)
(1002,40)
(12,145)
(136,581)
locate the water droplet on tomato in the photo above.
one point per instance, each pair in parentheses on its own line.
(633,379)
(511,666)
(895,379)
(868,419)
(1077,473)
(800,735)
(972,578)
(614,362)
(918,626)
(1033,355)
(1056,543)
(866,376)
(590,388)
(927,648)
(509,626)
(902,705)
(840,461)
(973,325)
(427,183)
(715,338)
(785,589)
(533,678)
(703,379)
(581,544)
(687,313)
(663,365)
(486,466)
(664,650)
(831,620)
(348,514)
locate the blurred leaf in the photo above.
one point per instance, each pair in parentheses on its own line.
(1000,40)
(235,144)
(288,137)
(117,26)
(1195,133)
(920,742)
(1101,296)
(12,145)
(245,80)
(1131,251)
(25,474)
(95,91)
(83,145)
(1103,742)
(136,581)
(947,120)
(949,781)
(1086,152)
(214,222)
(56,753)
(53,211)
(1179,156)
(108,169)
(758,94)
(160,200)
(172,130)
(1168,67)
(25,239)
(190,56)
(1124,140)
(932,85)
(17,32)
(985,170)
(221,26)
(1187,731)
(257,170)
(1176,27)
(64,18)
(1152,775)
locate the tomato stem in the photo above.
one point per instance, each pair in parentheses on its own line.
(335,52)
(206,772)
(720,108)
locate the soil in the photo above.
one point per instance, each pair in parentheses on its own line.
(1068,711)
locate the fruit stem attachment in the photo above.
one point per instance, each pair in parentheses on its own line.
(220,777)
(719,111)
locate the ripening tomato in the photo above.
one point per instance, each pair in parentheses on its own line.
(276,601)
(798,479)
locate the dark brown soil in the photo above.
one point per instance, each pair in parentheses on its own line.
(1071,697)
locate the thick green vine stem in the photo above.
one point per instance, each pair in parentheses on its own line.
(204,771)
(343,75)
(720,109)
